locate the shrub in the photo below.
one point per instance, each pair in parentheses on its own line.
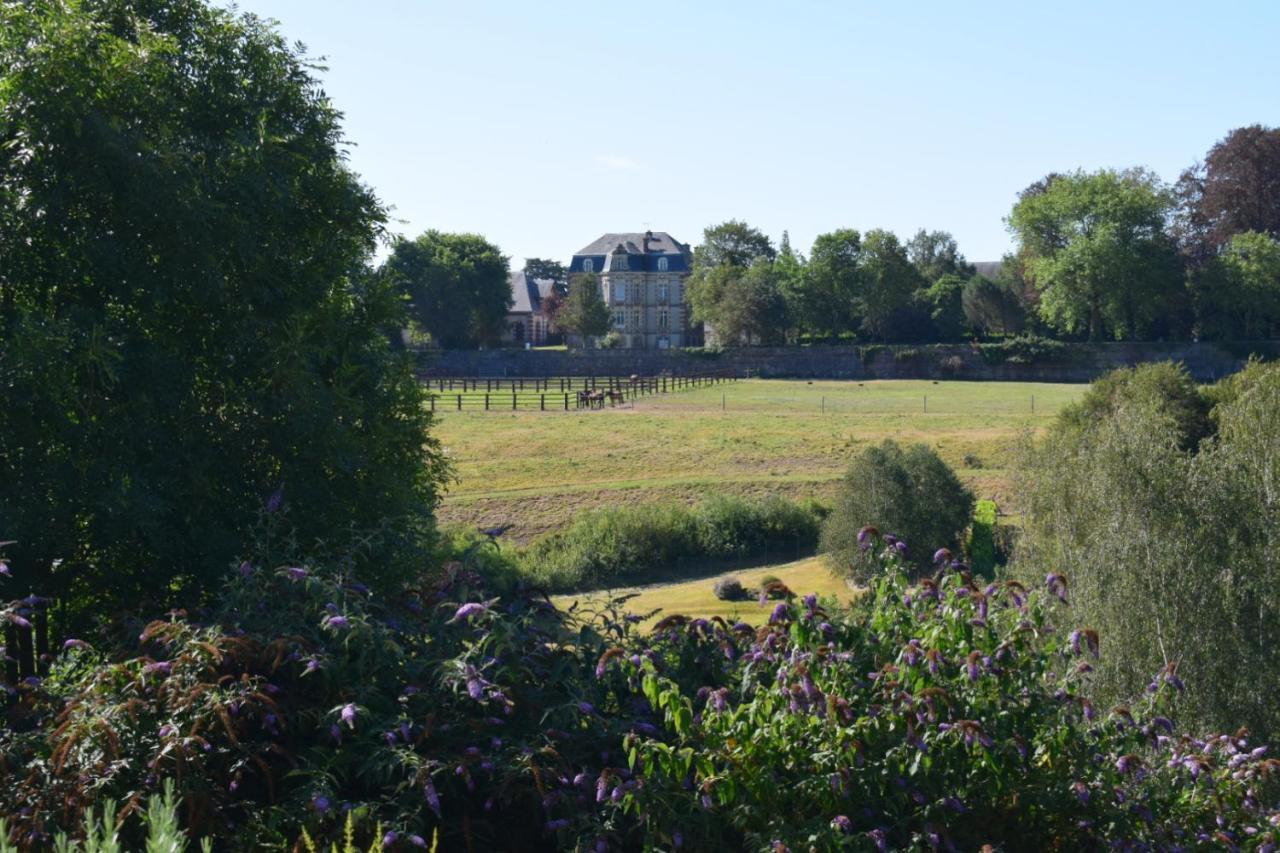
(729,589)
(616,545)
(982,545)
(1171,541)
(909,492)
(1162,387)
(1023,349)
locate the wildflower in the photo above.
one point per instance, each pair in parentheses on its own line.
(1128,763)
(879,839)
(31,681)
(338,622)
(312,666)
(295,573)
(75,644)
(971,667)
(900,547)
(246,569)
(1082,791)
(866,534)
(780,613)
(168,730)
(677,839)
(162,667)
(586,708)
(348,715)
(20,621)
(276,499)
(941,556)
(840,823)
(433,798)
(4,569)
(390,838)
(466,611)
(321,803)
(1057,584)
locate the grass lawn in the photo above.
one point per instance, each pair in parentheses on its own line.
(536,470)
(694,598)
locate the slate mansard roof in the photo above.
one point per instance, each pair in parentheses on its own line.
(659,244)
(527,293)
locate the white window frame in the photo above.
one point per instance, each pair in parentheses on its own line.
(662,264)
(619,290)
(588,265)
(619,318)
(620,262)
(664,292)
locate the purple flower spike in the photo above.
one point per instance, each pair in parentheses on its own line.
(296,573)
(348,715)
(20,621)
(246,569)
(276,500)
(941,556)
(433,798)
(840,823)
(466,611)
(321,803)
(390,838)
(4,569)
(75,644)
(780,613)
(338,622)
(1057,584)
(417,841)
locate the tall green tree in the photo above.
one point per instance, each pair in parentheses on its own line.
(1238,290)
(584,313)
(190,334)
(935,254)
(1096,249)
(458,286)
(833,283)
(550,270)
(991,307)
(742,306)
(790,270)
(888,283)
(733,243)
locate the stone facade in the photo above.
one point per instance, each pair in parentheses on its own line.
(526,322)
(642,279)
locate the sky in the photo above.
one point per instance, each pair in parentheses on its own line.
(544,125)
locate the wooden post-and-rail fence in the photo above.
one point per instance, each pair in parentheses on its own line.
(560,393)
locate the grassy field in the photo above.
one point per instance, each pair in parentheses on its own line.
(535,470)
(694,597)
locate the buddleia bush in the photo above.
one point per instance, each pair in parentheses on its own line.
(1171,534)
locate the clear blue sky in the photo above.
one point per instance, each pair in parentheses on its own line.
(543,125)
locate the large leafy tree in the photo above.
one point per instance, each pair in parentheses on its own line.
(458,286)
(732,243)
(1235,189)
(584,313)
(991,307)
(888,283)
(547,269)
(1095,247)
(935,254)
(1238,290)
(832,283)
(743,306)
(189,331)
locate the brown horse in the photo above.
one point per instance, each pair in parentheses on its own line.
(616,397)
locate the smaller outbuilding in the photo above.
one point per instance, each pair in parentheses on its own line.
(527,322)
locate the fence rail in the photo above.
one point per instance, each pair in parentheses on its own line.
(556,393)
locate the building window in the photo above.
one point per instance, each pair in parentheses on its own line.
(588,265)
(663,291)
(619,262)
(662,264)
(619,291)
(619,318)
(664,318)
(664,343)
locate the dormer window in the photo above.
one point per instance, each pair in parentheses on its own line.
(619,262)
(588,265)
(662,264)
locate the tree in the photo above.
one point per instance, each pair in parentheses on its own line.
(991,307)
(584,313)
(458,286)
(1235,189)
(791,274)
(833,283)
(192,341)
(935,254)
(1238,290)
(731,243)
(1096,249)
(908,492)
(888,281)
(742,305)
(545,269)
(944,301)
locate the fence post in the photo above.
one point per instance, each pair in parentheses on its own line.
(566,402)
(824,404)
(486,401)
(926,403)
(513,401)
(459,402)
(433,402)
(1033,404)
(543,402)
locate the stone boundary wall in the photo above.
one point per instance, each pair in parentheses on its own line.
(1067,362)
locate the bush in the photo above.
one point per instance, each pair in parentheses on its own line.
(909,492)
(1172,541)
(617,545)
(1024,349)
(194,334)
(729,589)
(1162,387)
(982,545)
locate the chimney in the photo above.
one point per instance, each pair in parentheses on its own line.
(648,235)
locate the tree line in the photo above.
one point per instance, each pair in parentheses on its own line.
(1103,255)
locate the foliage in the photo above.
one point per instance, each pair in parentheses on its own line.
(909,491)
(731,244)
(991,307)
(457,285)
(981,548)
(1024,349)
(944,300)
(1236,189)
(729,589)
(743,306)
(189,328)
(1096,248)
(936,254)
(1171,536)
(944,715)
(1162,387)
(1238,289)
(548,269)
(616,545)
(584,313)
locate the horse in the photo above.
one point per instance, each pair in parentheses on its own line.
(616,397)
